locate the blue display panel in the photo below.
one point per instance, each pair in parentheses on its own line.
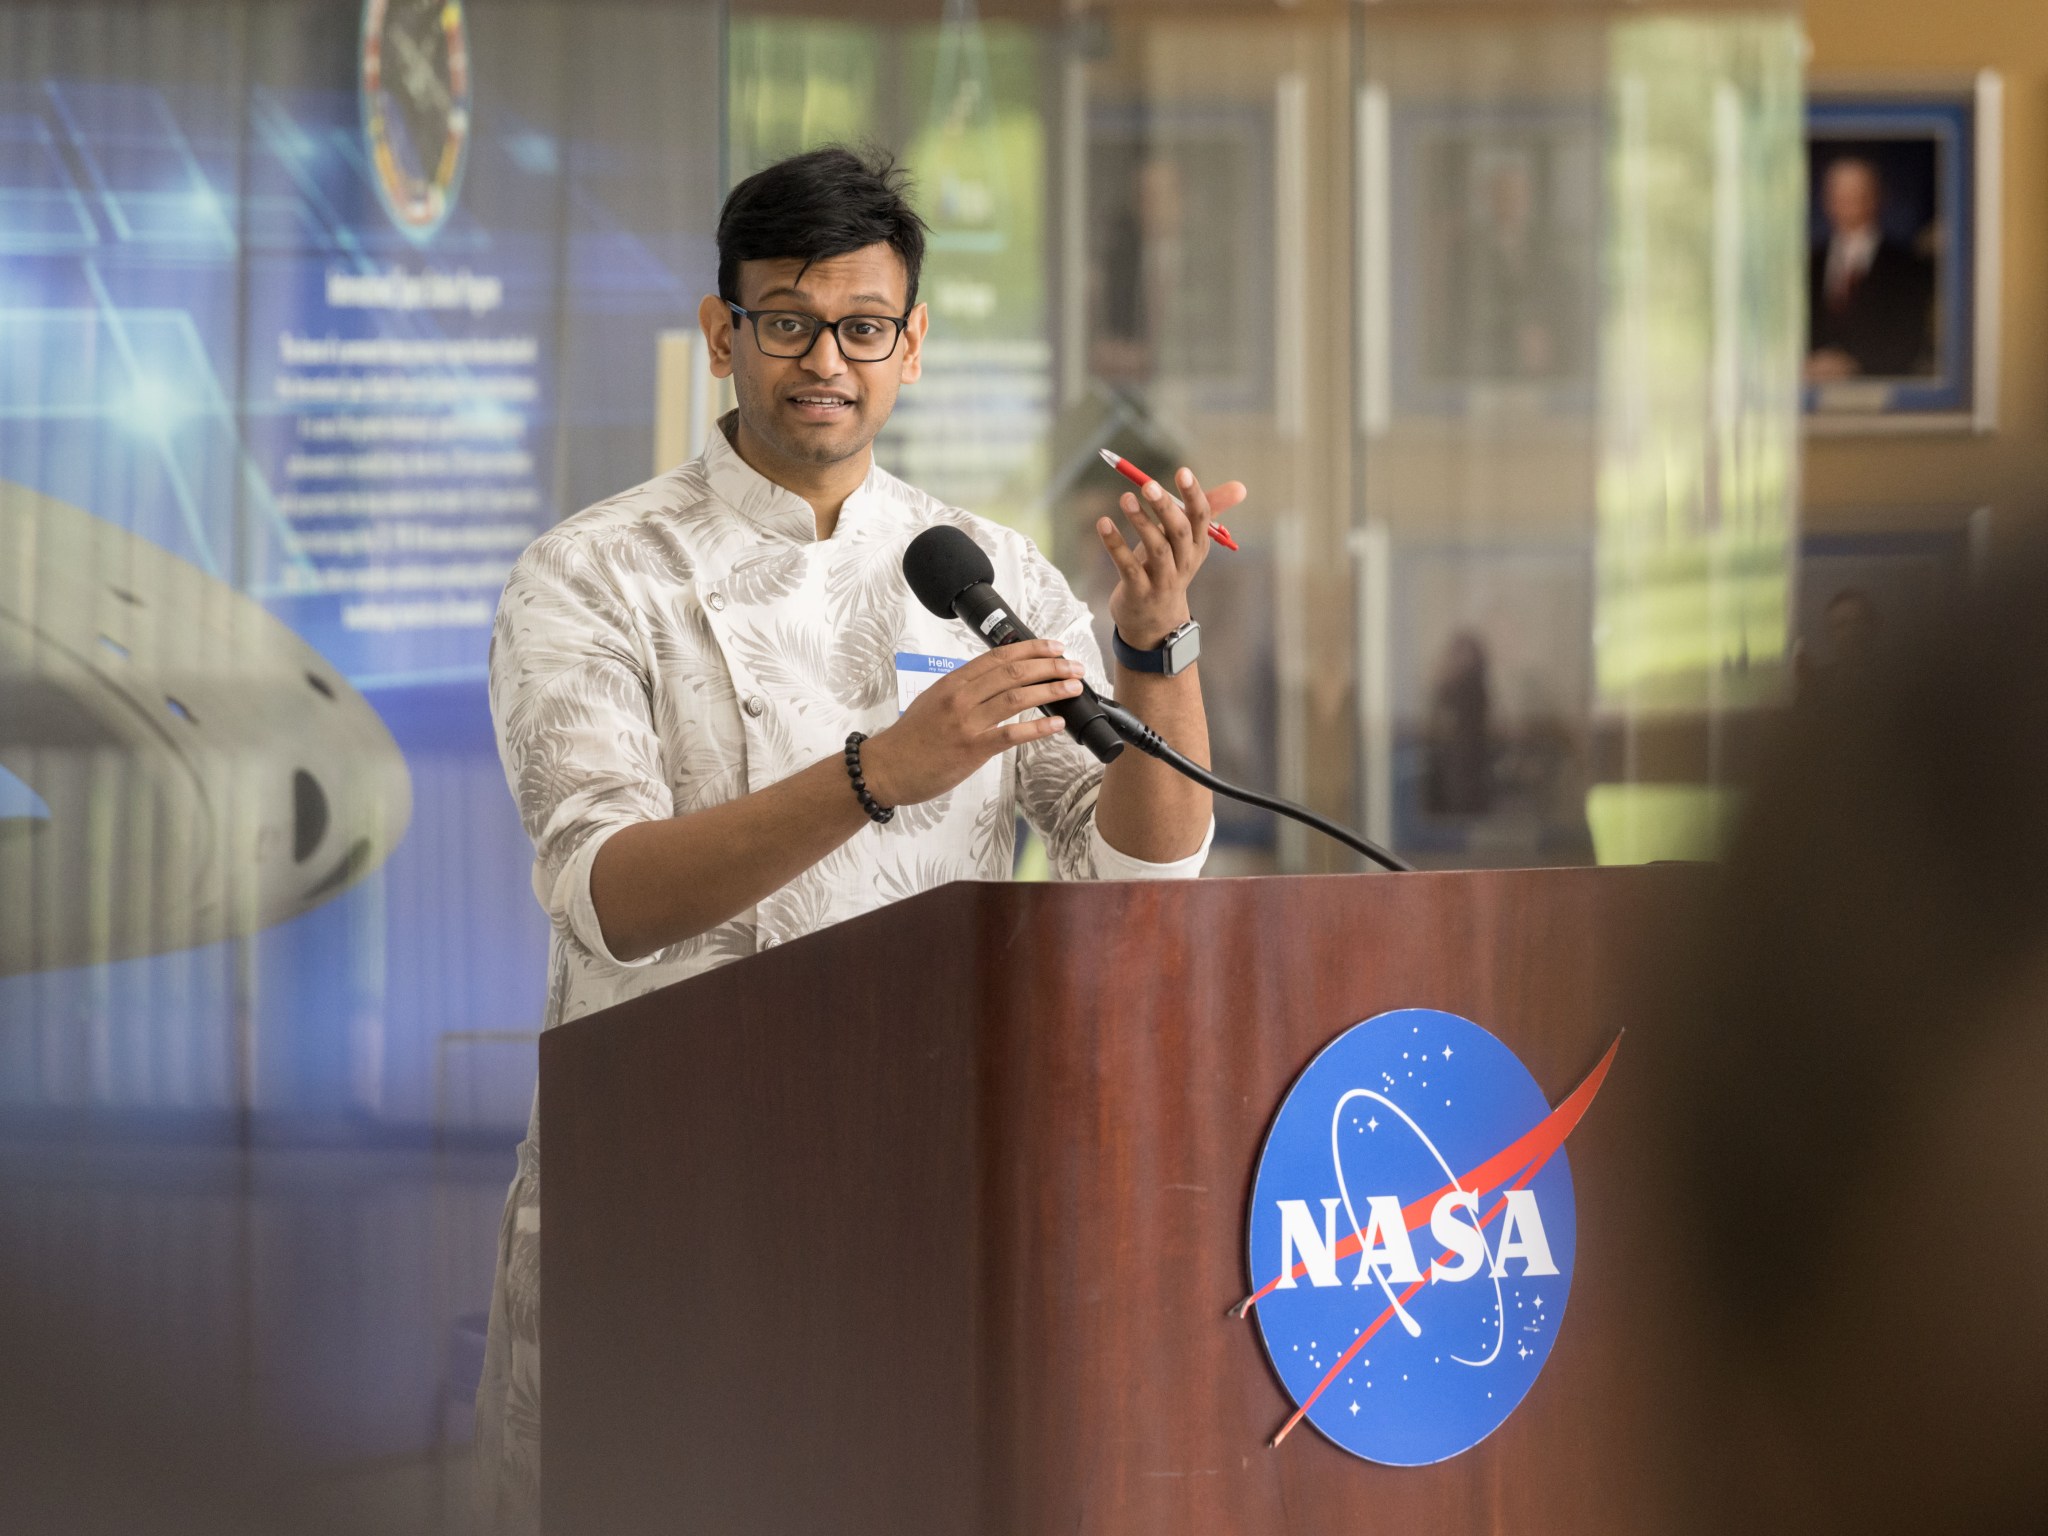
(304,335)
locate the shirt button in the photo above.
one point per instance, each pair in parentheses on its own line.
(755,705)
(715,601)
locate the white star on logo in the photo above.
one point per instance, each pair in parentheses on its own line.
(1447,1053)
(1372,1124)
(1522,1350)
(1354,1407)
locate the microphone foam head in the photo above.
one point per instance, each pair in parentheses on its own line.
(941,563)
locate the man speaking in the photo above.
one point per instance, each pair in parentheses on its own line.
(726,722)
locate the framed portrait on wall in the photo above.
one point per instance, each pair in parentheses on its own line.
(1902,255)
(1179,275)
(1486,683)
(1480,255)
(1873,575)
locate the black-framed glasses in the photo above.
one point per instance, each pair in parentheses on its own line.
(792,333)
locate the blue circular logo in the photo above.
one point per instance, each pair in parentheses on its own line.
(1412,1236)
(414,85)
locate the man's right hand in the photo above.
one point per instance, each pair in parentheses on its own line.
(657,883)
(967,717)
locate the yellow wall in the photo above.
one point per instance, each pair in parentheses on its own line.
(2008,469)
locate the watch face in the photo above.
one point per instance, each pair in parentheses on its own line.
(415,90)
(1182,647)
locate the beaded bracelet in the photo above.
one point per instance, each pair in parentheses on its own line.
(868,803)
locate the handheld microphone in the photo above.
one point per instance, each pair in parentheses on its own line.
(952,576)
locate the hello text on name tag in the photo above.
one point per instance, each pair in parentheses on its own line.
(915,673)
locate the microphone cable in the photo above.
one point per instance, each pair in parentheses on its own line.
(1152,744)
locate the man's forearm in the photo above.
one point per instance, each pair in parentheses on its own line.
(1146,810)
(661,882)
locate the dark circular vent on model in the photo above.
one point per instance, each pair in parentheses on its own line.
(309,815)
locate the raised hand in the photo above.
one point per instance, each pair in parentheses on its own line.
(1155,569)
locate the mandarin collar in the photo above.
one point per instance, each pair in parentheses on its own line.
(770,507)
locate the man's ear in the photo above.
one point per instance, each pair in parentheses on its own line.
(913,343)
(716,322)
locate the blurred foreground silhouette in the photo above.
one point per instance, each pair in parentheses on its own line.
(187,1335)
(1861,1162)
(103,1439)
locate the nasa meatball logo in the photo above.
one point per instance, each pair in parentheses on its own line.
(416,99)
(1412,1236)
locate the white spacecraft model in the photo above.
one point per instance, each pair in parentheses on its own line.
(176,765)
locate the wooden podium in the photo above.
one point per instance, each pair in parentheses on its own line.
(931,1222)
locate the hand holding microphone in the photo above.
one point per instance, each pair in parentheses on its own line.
(972,713)
(951,576)
(967,717)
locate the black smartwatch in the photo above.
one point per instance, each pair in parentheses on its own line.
(1172,656)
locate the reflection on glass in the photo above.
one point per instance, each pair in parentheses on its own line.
(1180,269)
(1699,425)
(964,111)
(311,317)
(1579,322)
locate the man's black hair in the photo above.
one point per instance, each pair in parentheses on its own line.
(819,204)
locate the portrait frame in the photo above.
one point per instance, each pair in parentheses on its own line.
(1908,564)
(1524,601)
(1424,171)
(1218,153)
(1942,135)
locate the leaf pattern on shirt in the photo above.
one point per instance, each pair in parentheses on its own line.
(704,765)
(915,820)
(863,666)
(1059,803)
(522,1264)
(727,782)
(762,581)
(800,907)
(865,596)
(647,550)
(550,727)
(780,756)
(1052,609)
(686,650)
(727,942)
(788,660)
(904,878)
(993,845)
(844,866)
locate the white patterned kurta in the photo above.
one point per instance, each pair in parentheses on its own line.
(691,641)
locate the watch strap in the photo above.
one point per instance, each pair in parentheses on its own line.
(1130,656)
(1159,658)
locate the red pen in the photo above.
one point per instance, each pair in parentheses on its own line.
(1140,479)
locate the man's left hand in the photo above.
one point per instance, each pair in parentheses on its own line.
(1153,573)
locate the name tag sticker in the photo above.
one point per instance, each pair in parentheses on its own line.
(915,673)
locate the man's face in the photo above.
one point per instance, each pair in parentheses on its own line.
(1851,196)
(820,408)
